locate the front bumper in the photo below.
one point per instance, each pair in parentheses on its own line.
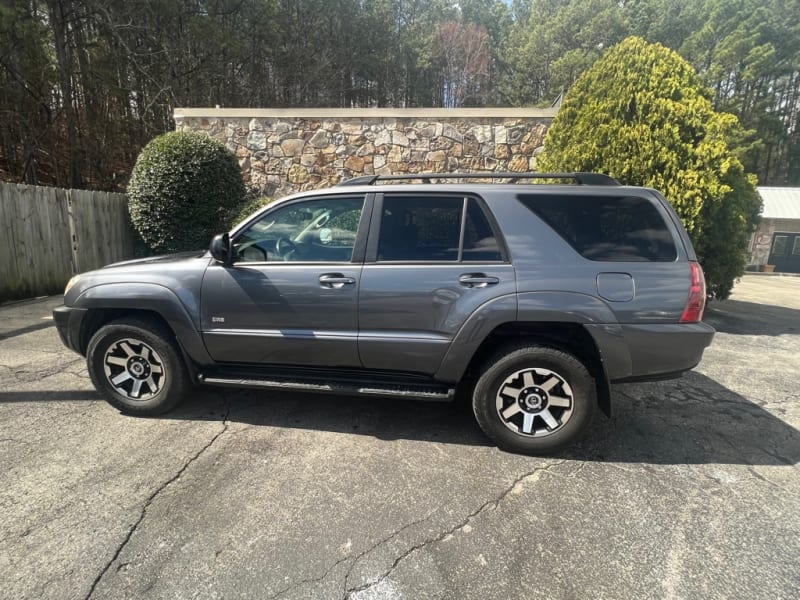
(68,322)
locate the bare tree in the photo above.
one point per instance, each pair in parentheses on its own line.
(463,54)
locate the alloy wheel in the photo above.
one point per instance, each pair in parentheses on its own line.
(534,402)
(134,369)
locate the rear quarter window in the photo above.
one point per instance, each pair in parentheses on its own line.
(606,228)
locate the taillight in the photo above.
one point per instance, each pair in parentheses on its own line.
(697,296)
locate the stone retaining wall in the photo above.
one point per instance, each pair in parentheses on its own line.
(282,151)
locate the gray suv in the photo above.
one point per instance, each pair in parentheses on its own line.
(531,297)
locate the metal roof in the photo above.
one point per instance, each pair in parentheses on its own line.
(780,202)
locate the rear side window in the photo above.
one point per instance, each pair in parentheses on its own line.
(436,229)
(426,229)
(620,229)
(480,242)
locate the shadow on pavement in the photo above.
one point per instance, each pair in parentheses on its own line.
(693,420)
(50,396)
(387,419)
(750,318)
(6,335)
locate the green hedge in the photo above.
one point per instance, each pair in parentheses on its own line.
(248,208)
(183,190)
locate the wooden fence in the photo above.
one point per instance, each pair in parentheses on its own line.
(49,234)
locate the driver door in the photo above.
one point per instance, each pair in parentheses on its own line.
(291,295)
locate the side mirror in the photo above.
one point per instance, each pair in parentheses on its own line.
(221,248)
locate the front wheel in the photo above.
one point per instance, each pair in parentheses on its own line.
(534,400)
(135,364)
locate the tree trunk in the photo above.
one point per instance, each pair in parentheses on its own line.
(59,12)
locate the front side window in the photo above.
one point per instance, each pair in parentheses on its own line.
(309,231)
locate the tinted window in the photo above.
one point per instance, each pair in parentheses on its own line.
(311,231)
(607,228)
(420,228)
(417,228)
(480,243)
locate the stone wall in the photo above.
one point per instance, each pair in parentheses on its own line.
(282,150)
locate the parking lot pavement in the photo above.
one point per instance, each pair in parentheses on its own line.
(690,491)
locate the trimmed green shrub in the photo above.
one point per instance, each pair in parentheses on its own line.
(248,208)
(183,190)
(641,115)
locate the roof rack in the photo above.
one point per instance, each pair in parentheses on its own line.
(580,178)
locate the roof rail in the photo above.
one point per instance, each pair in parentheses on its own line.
(579,178)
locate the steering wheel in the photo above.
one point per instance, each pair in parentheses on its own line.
(285,248)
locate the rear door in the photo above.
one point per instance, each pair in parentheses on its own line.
(431,261)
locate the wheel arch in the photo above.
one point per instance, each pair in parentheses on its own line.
(106,303)
(96,318)
(560,319)
(572,338)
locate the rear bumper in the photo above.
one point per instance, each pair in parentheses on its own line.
(652,351)
(68,323)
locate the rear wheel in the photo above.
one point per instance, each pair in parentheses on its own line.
(534,399)
(135,364)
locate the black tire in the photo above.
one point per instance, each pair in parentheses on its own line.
(567,394)
(135,349)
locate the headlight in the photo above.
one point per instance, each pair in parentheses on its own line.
(70,283)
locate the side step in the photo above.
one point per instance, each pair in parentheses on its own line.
(347,386)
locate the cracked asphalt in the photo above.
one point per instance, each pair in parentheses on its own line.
(690,491)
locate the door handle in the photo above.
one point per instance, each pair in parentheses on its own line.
(335,280)
(477,280)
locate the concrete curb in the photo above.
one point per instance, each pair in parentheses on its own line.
(760,274)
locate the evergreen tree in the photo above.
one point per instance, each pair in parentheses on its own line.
(642,115)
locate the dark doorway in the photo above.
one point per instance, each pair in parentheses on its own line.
(785,252)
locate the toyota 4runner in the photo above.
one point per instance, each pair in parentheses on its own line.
(533,297)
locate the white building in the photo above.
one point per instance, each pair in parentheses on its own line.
(776,241)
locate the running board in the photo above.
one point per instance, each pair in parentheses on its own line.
(436,393)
